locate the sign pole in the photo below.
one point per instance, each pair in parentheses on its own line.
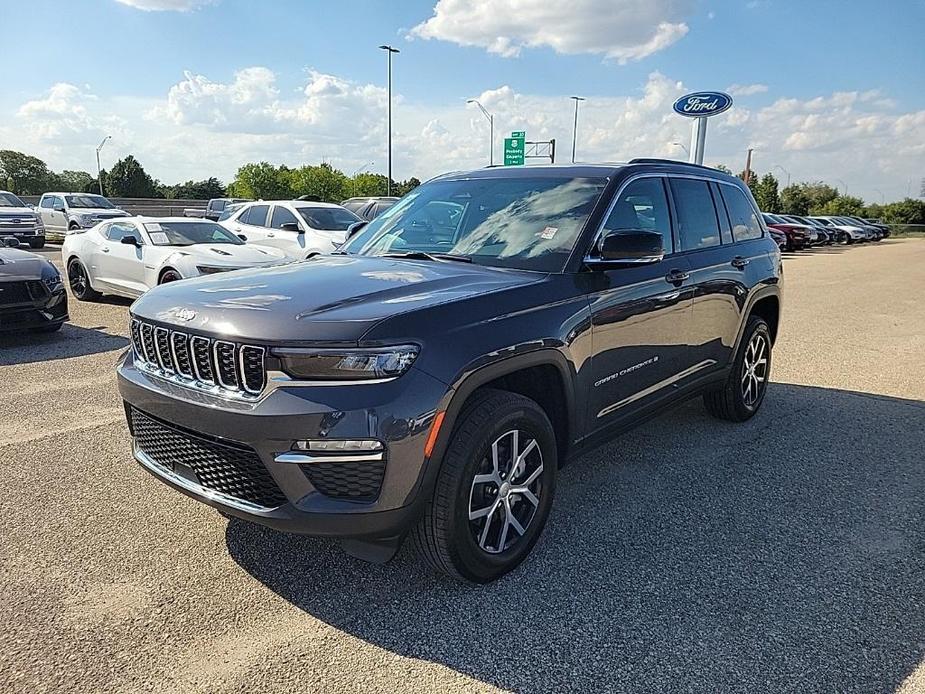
(699,140)
(699,106)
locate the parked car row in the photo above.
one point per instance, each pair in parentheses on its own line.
(793,233)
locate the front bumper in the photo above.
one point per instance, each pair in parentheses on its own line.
(45,309)
(398,413)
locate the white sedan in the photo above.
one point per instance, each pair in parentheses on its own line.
(130,255)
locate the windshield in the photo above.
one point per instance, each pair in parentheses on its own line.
(328,218)
(93,201)
(530,223)
(189,233)
(10,200)
(229,210)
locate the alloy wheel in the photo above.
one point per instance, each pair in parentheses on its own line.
(755,370)
(505,492)
(169,276)
(77,278)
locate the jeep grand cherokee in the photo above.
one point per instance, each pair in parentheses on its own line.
(428,379)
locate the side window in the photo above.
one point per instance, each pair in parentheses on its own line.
(643,205)
(282,216)
(257,215)
(724,225)
(218,205)
(745,224)
(697,222)
(116,232)
(48,202)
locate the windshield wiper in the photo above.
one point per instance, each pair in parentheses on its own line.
(423,255)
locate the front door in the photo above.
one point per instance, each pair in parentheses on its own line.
(121,265)
(55,220)
(641,316)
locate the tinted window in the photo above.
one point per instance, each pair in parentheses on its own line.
(745,224)
(282,216)
(697,223)
(354,205)
(10,200)
(48,202)
(189,233)
(93,202)
(118,231)
(381,207)
(526,221)
(218,205)
(328,218)
(642,205)
(256,215)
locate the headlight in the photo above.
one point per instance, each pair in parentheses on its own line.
(347,364)
(86,219)
(39,224)
(51,278)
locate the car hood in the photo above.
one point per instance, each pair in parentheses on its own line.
(20,265)
(97,212)
(224,254)
(326,298)
(17,211)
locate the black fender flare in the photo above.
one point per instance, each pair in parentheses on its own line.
(765,292)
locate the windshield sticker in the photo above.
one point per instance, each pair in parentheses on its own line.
(548,233)
(153,226)
(159,238)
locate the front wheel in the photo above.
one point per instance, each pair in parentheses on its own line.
(739,398)
(79,282)
(169,276)
(36,243)
(494,489)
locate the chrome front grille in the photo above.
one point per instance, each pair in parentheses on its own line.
(223,367)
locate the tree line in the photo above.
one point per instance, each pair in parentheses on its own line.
(24,174)
(819,198)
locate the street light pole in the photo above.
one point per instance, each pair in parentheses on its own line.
(882,197)
(99,175)
(491,130)
(390,51)
(357,173)
(575,125)
(681,145)
(844,184)
(778,166)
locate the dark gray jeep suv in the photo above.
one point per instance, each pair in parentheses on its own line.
(430,377)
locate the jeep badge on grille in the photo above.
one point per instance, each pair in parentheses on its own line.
(184,314)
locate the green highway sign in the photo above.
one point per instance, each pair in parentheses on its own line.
(513,151)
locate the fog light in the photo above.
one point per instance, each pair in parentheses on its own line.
(338,445)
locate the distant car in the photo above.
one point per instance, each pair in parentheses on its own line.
(825,236)
(369,208)
(884,228)
(799,236)
(851,231)
(63,212)
(213,209)
(32,295)
(780,238)
(129,256)
(20,221)
(875,231)
(298,228)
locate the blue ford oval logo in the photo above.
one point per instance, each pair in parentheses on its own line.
(702,104)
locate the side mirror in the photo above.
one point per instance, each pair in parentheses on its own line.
(291,226)
(356,227)
(628,247)
(242,237)
(130,241)
(59,208)
(10,241)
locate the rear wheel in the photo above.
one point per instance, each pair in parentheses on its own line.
(743,392)
(79,281)
(169,275)
(494,489)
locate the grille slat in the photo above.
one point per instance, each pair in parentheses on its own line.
(230,468)
(218,365)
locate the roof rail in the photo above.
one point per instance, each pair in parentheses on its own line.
(653,160)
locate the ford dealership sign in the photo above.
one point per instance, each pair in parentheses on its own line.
(702,104)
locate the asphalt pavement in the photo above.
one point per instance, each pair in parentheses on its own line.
(690,555)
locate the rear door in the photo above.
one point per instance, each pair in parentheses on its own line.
(640,314)
(252,222)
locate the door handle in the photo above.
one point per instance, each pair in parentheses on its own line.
(271,235)
(740,262)
(677,276)
(104,249)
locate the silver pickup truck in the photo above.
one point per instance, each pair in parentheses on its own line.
(19,220)
(213,210)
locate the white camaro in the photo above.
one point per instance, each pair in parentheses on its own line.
(130,255)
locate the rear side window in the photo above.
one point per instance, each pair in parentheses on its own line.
(282,216)
(698,226)
(642,205)
(745,224)
(256,215)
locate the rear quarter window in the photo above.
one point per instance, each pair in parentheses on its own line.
(742,216)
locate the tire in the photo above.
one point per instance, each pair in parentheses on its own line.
(169,275)
(740,397)
(848,239)
(79,282)
(53,328)
(487,547)
(36,243)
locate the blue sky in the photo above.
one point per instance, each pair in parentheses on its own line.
(171,79)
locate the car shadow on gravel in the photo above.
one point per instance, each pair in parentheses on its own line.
(783,554)
(71,341)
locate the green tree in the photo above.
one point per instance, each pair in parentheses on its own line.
(23,174)
(194,190)
(128,179)
(843,205)
(907,211)
(722,167)
(76,181)
(765,192)
(819,195)
(367,183)
(752,181)
(261,181)
(793,200)
(405,187)
(323,181)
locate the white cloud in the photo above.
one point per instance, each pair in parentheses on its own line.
(620,29)
(202,127)
(746,89)
(167,5)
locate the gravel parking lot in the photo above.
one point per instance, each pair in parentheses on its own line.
(786,554)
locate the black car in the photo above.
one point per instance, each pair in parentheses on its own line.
(429,378)
(369,208)
(32,294)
